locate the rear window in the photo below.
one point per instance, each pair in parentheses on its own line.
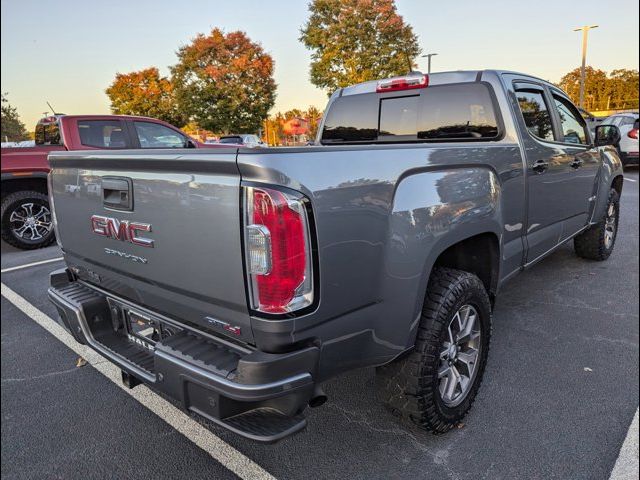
(437,114)
(234,140)
(102,133)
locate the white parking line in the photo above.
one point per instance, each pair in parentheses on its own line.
(222,452)
(34,264)
(626,466)
(627,179)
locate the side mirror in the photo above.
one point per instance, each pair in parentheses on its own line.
(190,144)
(607,135)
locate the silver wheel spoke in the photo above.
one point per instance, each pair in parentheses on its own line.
(20,231)
(42,213)
(452,382)
(28,208)
(445,353)
(465,334)
(34,233)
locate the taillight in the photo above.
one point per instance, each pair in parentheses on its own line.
(403,83)
(278,251)
(633,133)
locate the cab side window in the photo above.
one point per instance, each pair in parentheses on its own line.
(574,127)
(535,111)
(154,135)
(102,133)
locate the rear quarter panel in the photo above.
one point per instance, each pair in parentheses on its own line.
(383,214)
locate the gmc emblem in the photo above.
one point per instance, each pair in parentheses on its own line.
(122,230)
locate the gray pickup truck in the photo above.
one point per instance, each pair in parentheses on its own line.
(238,280)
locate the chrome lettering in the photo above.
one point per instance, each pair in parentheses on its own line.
(128,256)
(123,230)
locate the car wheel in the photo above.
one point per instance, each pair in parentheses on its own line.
(435,385)
(597,242)
(26,220)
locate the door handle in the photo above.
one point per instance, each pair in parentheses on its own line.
(540,166)
(577,163)
(117,192)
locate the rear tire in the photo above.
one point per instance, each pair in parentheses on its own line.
(416,387)
(597,242)
(26,220)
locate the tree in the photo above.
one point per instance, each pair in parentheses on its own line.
(618,90)
(357,40)
(145,93)
(12,128)
(623,88)
(225,82)
(313,116)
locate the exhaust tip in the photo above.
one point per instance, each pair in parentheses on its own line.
(318,398)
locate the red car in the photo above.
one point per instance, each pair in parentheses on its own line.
(25,215)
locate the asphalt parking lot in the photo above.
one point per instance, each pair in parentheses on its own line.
(559,393)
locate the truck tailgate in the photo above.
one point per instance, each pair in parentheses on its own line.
(160,229)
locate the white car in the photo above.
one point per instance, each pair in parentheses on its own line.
(246,140)
(628,125)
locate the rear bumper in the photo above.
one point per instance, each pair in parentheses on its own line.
(629,158)
(258,395)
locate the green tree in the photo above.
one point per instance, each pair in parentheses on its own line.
(623,88)
(618,90)
(224,82)
(145,93)
(13,129)
(357,40)
(313,116)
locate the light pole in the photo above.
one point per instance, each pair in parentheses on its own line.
(429,55)
(585,33)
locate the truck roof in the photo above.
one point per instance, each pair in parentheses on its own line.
(98,117)
(438,78)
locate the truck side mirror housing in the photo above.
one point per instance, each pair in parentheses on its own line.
(607,135)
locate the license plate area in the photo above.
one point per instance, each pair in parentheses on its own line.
(142,329)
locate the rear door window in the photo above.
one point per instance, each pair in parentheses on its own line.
(458,112)
(102,133)
(627,121)
(574,128)
(535,112)
(154,135)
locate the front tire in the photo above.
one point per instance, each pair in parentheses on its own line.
(26,220)
(597,242)
(435,385)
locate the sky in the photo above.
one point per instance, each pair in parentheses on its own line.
(67,52)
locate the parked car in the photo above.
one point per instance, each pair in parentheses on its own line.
(246,140)
(239,282)
(25,213)
(628,125)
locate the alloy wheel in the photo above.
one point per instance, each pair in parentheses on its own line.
(31,221)
(460,356)
(610,225)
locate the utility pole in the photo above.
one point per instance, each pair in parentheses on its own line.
(429,55)
(585,33)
